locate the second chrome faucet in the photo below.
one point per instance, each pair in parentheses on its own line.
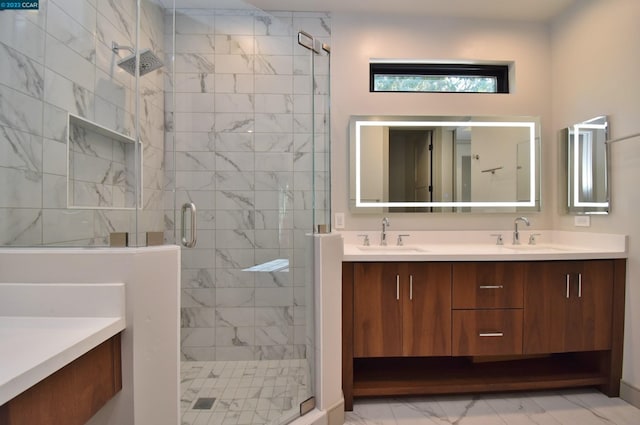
(516,233)
(383,236)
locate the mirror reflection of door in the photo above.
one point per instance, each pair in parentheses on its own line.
(410,184)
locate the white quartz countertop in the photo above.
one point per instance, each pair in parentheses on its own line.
(44,327)
(481,246)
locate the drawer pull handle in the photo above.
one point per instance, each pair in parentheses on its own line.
(568,285)
(411,287)
(491,286)
(398,287)
(491,334)
(580,285)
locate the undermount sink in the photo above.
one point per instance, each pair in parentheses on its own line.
(392,248)
(537,248)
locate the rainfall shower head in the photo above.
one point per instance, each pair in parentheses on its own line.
(148,61)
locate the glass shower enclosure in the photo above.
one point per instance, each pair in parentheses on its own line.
(247,162)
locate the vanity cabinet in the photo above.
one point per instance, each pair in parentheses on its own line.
(568,306)
(73,394)
(417,328)
(402,309)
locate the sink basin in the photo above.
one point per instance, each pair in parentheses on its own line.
(528,248)
(405,249)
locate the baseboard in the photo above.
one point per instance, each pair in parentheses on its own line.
(335,414)
(630,394)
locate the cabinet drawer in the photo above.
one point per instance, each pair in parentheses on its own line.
(487,332)
(488,285)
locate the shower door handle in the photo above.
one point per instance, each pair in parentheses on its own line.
(191,242)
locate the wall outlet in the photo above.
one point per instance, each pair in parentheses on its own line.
(582,221)
(339,221)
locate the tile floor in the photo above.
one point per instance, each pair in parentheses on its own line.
(572,407)
(245,392)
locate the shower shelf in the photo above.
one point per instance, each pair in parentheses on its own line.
(100,167)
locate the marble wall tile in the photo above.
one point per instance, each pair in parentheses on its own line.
(234,83)
(235,219)
(235,239)
(20,111)
(198,297)
(274,45)
(66,225)
(234,23)
(197,278)
(194,102)
(196,43)
(234,277)
(197,353)
(20,32)
(194,122)
(274,335)
(197,337)
(274,297)
(67,95)
(236,353)
(234,316)
(242,336)
(234,258)
(228,44)
(235,297)
(198,258)
(20,189)
(69,64)
(273,280)
(231,182)
(197,82)
(274,23)
(194,21)
(20,227)
(20,72)
(54,191)
(197,317)
(275,84)
(69,31)
(120,14)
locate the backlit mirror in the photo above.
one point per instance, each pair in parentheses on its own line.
(444,164)
(587,167)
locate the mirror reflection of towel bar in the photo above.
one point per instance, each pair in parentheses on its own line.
(491,170)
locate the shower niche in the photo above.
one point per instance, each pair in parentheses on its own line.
(101,167)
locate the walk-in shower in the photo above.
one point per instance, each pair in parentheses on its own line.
(148,60)
(235,122)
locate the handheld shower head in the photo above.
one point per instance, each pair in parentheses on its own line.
(148,61)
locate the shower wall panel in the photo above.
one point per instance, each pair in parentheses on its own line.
(58,60)
(242,128)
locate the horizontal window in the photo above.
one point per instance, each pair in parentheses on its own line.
(438,78)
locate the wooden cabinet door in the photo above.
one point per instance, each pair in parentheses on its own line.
(426,300)
(377,315)
(568,306)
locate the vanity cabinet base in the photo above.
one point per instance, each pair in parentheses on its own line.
(476,366)
(73,394)
(457,375)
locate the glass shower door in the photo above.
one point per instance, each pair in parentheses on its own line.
(240,147)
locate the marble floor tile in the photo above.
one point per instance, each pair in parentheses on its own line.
(245,392)
(570,407)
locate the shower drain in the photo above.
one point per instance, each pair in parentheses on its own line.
(204,403)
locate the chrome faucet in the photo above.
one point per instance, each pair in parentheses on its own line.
(516,233)
(383,236)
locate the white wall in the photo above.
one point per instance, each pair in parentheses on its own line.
(357,38)
(595,70)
